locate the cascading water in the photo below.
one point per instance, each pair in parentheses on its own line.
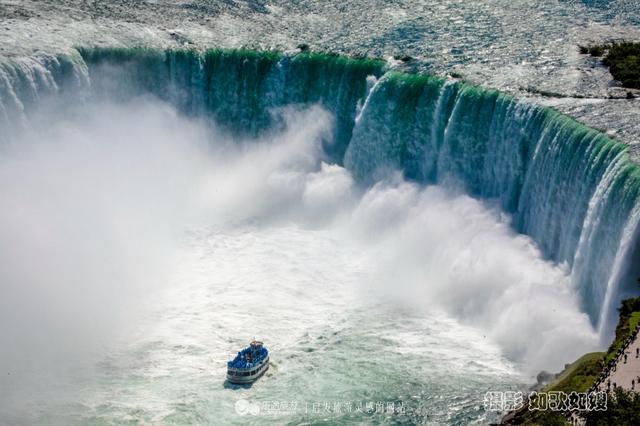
(538,164)
(570,188)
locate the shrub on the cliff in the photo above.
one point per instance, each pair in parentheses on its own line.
(628,320)
(623,408)
(629,306)
(620,51)
(594,50)
(623,60)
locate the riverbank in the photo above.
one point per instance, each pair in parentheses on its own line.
(609,372)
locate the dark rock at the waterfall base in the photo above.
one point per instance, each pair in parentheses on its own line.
(543,378)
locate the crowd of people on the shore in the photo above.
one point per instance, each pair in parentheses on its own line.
(612,365)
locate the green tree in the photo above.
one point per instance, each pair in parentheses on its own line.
(623,408)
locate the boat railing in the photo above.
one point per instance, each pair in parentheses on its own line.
(247,365)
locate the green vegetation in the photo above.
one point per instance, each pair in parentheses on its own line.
(578,376)
(593,50)
(544,418)
(623,409)
(629,307)
(403,58)
(629,319)
(623,60)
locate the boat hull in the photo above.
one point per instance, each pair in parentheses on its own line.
(241,377)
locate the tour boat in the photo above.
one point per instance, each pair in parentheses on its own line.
(249,364)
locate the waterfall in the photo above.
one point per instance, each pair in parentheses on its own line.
(573,190)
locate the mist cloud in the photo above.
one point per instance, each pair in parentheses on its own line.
(96,200)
